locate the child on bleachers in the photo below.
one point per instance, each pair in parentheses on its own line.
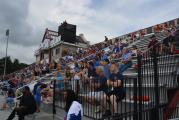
(9,100)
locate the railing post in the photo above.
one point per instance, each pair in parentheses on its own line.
(139,87)
(135,100)
(77,87)
(54,98)
(156,82)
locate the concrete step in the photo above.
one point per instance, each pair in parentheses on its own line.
(166,78)
(148,91)
(150,69)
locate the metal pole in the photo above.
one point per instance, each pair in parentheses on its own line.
(6,56)
(156,82)
(139,87)
(54,98)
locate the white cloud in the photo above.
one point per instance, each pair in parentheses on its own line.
(23,53)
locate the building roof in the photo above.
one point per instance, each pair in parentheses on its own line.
(49,34)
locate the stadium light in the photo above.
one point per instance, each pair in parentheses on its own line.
(7,36)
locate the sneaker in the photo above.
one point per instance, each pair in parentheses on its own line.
(106,114)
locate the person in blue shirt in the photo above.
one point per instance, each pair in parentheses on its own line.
(116,49)
(103,55)
(106,64)
(91,70)
(116,91)
(96,62)
(73,107)
(98,89)
(76,68)
(60,81)
(36,86)
(38,96)
(126,61)
(9,99)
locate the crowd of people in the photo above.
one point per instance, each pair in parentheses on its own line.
(167,45)
(101,78)
(27,75)
(92,71)
(29,102)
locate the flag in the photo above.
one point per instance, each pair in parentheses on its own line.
(7,32)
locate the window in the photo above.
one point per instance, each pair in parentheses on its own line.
(52,53)
(57,51)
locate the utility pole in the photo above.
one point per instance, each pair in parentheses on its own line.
(7,37)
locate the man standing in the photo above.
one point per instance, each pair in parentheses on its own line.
(27,105)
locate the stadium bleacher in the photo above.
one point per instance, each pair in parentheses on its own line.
(167,68)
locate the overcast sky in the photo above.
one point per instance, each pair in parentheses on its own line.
(27,20)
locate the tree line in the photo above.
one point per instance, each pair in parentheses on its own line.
(11,66)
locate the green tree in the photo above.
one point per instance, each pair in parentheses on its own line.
(11,66)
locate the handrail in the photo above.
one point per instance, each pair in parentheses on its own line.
(152,47)
(36,80)
(155,44)
(20,69)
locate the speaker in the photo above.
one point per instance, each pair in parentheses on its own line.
(67,32)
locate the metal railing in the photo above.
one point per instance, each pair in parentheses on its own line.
(145,92)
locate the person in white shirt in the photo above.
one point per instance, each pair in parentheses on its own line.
(73,107)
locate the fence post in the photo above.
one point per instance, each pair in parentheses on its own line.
(156,82)
(78,88)
(54,98)
(135,100)
(139,86)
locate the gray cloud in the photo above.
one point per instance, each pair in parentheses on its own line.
(27,20)
(13,16)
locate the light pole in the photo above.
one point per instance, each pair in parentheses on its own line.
(7,36)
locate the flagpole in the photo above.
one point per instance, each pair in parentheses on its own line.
(7,36)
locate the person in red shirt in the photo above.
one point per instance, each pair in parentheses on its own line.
(152,42)
(157,28)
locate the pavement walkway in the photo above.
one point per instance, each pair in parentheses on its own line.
(37,116)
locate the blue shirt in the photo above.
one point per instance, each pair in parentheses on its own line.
(96,64)
(60,84)
(104,57)
(106,71)
(116,49)
(114,77)
(126,56)
(38,94)
(102,81)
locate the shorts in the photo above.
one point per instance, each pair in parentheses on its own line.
(10,100)
(97,95)
(38,100)
(119,95)
(38,103)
